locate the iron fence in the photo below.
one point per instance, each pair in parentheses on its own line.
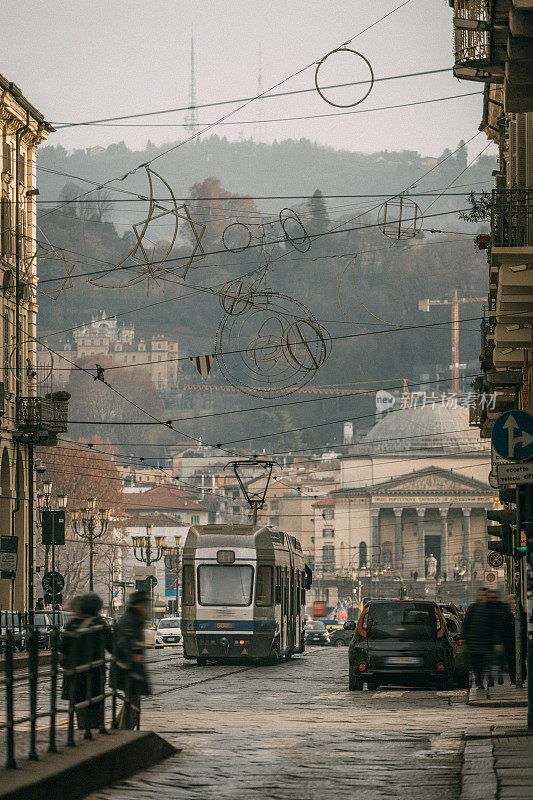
(87,660)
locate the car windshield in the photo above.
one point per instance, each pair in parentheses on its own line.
(225,585)
(315,626)
(407,621)
(169,623)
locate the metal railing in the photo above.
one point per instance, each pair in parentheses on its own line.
(42,413)
(512,217)
(85,657)
(472,19)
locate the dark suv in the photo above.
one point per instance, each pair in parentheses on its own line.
(400,641)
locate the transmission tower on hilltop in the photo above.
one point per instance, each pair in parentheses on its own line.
(190,119)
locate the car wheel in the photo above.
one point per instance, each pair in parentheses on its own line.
(445,682)
(288,656)
(339,643)
(355,682)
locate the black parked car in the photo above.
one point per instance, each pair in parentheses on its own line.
(316,633)
(400,641)
(340,637)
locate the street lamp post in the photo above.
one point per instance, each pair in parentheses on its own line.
(45,503)
(172,563)
(142,551)
(90,523)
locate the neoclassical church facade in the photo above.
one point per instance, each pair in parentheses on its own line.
(412,502)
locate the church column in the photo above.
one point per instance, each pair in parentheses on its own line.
(466,533)
(398,561)
(444,565)
(421,563)
(374,549)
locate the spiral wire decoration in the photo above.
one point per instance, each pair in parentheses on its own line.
(295,241)
(355,53)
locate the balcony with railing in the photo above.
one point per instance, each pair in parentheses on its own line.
(471,22)
(512,227)
(43,417)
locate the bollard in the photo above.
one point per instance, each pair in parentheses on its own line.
(10,711)
(54,642)
(33,668)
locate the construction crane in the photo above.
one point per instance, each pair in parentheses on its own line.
(425,305)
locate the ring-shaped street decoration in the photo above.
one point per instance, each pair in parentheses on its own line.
(355,53)
(226,234)
(400,218)
(306,345)
(236,297)
(297,243)
(28,370)
(252,349)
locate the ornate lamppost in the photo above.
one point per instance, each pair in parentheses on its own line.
(90,523)
(45,503)
(172,563)
(142,551)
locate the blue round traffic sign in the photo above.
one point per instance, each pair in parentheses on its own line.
(512,435)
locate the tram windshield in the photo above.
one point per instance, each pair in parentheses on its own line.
(225,585)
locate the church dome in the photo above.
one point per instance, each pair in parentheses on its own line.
(430,427)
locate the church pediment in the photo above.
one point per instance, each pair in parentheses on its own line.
(433,481)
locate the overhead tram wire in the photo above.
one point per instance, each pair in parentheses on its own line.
(281,119)
(62,125)
(234,111)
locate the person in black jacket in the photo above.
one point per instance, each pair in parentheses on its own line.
(130,674)
(478,636)
(83,640)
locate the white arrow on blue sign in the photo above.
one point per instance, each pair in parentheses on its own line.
(512,435)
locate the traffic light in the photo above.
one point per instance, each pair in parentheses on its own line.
(503,531)
(507,495)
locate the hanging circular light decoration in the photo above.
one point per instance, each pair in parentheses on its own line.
(358,55)
(236,297)
(302,243)
(236,237)
(273,348)
(400,218)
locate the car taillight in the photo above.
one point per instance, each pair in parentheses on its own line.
(440,623)
(363,623)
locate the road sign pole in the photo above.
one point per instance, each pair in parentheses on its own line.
(53,568)
(514,564)
(529,561)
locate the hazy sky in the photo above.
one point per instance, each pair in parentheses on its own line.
(84,59)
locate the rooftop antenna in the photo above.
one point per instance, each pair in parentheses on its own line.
(190,119)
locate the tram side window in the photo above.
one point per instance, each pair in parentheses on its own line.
(263,586)
(188,585)
(278,585)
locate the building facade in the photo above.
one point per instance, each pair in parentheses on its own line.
(23,128)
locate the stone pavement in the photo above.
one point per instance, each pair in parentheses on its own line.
(294,732)
(497,764)
(506,696)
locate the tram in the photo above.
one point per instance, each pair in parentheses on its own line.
(243,594)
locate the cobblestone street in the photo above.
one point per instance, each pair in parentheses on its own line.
(295,731)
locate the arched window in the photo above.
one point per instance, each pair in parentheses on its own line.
(362,555)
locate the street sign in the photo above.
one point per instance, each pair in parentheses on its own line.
(53,583)
(496,460)
(8,556)
(490,577)
(512,435)
(495,560)
(53,527)
(152,581)
(511,474)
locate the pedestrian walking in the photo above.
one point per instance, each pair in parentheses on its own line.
(77,650)
(130,674)
(40,604)
(498,622)
(478,637)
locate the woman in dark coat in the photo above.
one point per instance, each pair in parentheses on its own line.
(75,650)
(129,674)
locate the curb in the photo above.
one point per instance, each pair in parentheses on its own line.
(478,701)
(87,768)
(21,660)
(478,777)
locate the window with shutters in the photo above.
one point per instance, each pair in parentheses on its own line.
(7,227)
(6,157)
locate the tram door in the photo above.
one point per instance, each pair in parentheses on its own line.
(284,607)
(292,610)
